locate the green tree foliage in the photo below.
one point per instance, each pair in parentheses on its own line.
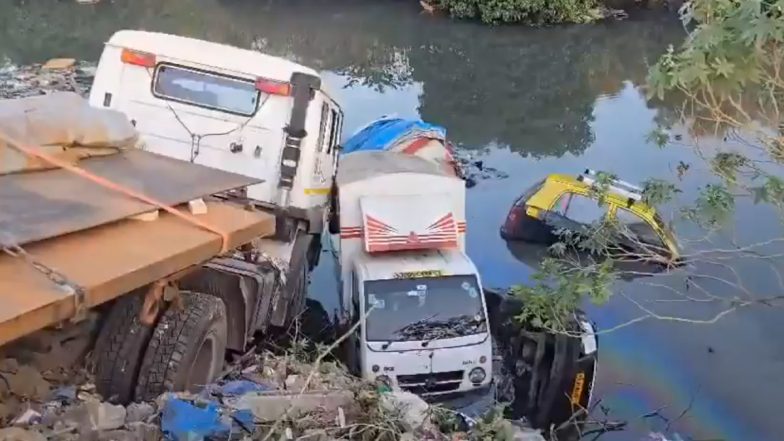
(729,76)
(729,72)
(525,11)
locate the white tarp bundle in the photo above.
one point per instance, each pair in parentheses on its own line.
(63,125)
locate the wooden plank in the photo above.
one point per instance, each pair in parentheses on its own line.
(45,204)
(112,260)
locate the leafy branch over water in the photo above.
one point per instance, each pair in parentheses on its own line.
(729,77)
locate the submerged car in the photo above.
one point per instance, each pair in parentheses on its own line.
(567,203)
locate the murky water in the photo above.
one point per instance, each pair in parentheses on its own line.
(530,102)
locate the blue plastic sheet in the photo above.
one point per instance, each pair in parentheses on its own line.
(183,421)
(385,133)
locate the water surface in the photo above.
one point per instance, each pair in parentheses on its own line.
(529,102)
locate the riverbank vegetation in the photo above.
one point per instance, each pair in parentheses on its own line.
(729,78)
(539,12)
(526,11)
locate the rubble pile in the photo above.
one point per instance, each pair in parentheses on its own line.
(260,397)
(57,75)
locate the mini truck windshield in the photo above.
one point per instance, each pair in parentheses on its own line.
(422,309)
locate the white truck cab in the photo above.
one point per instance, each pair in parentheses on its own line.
(425,331)
(239,111)
(228,108)
(405,277)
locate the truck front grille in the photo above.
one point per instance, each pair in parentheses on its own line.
(435,382)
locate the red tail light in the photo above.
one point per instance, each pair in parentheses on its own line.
(137,58)
(273,87)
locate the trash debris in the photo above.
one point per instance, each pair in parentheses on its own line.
(65,394)
(28,418)
(241,387)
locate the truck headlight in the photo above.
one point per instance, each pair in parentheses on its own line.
(477,375)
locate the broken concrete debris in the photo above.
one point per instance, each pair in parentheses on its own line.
(252,402)
(17,434)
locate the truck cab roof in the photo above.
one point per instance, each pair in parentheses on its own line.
(207,53)
(383,266)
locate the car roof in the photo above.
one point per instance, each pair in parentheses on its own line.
(210,54)
(617,198)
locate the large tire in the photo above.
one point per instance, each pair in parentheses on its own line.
(187,348)
(119,349)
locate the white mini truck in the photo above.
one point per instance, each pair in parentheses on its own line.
(423,324)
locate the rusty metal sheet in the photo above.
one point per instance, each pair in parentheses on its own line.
(45,204)
(115,259)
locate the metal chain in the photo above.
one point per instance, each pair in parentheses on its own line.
(13,249)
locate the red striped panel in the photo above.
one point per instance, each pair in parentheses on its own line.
(357,232)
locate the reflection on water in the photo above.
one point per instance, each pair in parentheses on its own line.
(531,102)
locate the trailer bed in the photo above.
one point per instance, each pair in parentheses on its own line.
(114,259)
(45,204)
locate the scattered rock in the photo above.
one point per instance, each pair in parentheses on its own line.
(18,434)
(139,412)
(59,63)
(24,81)
(315,435)
(9,407)
(105,416)
(9,365)
(26,382)
(294,382)
(272,407)
(29,417)
(145,432)
(414,411)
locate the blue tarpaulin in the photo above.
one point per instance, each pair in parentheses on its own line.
(385,133)
(183,421)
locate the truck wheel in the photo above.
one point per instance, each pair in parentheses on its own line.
(119,349)
(187,347)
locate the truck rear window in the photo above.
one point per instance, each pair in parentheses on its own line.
(209,90)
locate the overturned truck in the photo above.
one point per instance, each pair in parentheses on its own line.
(165,251)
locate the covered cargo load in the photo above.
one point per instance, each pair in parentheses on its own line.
(63,125)
(391,202)
(409,136)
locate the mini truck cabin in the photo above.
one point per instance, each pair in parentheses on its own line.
(405,276)
(233,109)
